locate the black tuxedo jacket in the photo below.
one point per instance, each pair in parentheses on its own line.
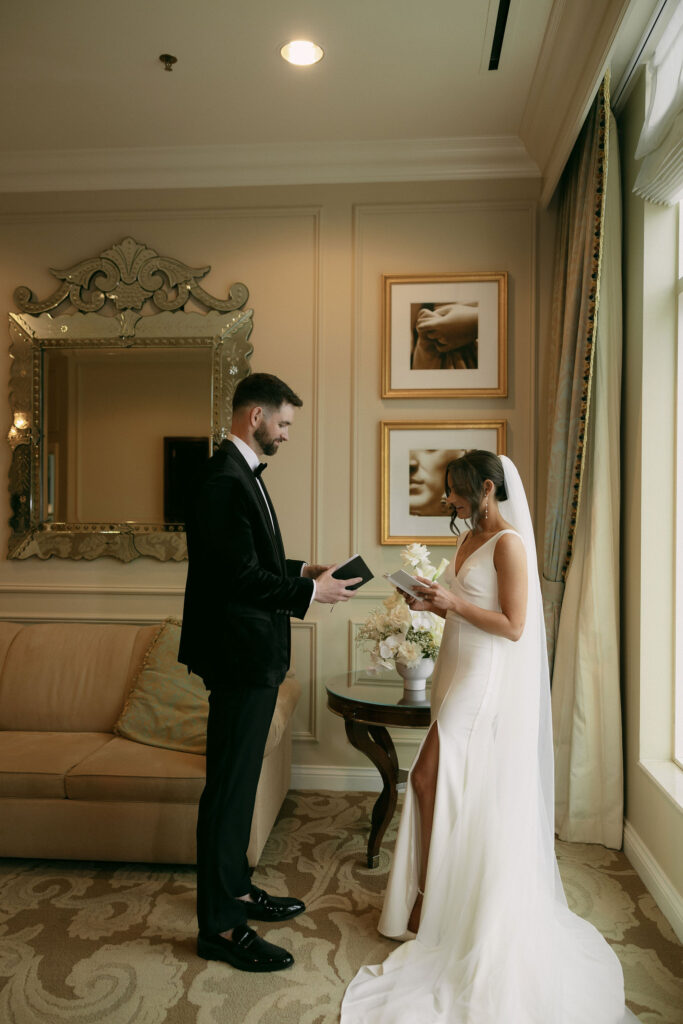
(241,590)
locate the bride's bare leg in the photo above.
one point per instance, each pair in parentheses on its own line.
(423,779)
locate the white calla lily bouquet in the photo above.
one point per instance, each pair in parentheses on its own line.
(396,634)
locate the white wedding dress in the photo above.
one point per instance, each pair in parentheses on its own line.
(497,943)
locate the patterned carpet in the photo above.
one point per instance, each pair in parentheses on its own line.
(115,944)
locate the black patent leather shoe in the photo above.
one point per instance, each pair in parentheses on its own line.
(245,950)
(272,908)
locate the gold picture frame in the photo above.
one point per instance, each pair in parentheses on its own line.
(414,455)
(444,335)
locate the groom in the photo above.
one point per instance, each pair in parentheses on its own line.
(240,594)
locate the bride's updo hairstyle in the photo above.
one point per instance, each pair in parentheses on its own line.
(467,474)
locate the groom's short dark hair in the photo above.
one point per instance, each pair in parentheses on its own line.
(264,389)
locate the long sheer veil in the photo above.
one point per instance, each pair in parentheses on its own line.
(531,716)
(526,727)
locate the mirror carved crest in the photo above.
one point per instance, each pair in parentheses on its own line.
(128,348)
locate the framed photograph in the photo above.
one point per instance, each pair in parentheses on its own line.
(444,336)
(415,454)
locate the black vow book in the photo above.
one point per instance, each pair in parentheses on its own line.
(352,567)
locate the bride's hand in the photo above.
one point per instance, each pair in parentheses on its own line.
(414,603)
(437,598)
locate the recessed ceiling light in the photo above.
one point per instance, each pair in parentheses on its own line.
(301,52)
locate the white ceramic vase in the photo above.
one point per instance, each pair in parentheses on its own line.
(415,676)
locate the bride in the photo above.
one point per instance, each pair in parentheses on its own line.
(474,891)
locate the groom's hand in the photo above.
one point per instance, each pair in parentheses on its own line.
(312,572)
(329,590)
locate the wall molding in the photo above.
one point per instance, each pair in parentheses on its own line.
(93,603)
(30,619)
(659,885)
(114,215)
(90,590)
(307,163)
(309,734)
(384,677)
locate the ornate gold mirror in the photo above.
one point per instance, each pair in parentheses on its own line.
(114,407)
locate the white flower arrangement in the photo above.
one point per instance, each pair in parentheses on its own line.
(395,632)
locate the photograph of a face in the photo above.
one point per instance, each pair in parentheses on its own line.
(427,480)
(415,457)
(444,336)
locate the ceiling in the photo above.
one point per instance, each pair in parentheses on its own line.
(403,91)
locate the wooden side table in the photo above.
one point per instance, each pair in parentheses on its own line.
(366,720)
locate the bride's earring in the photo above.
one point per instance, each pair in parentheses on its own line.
(486,508)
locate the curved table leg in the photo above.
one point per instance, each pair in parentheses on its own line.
(376,743)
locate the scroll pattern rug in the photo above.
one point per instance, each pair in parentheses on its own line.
(92,943)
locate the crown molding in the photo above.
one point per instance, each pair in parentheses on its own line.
(266,164)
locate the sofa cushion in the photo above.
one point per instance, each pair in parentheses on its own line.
(125,770)
(69,677)
(167,706)
(34,764)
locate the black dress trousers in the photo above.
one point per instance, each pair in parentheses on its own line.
(237,730)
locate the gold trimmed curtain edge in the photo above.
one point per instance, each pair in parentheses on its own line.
(594,302)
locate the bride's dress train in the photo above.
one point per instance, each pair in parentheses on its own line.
(497,943)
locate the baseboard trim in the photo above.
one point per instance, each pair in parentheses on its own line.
(657,882)
(332,777)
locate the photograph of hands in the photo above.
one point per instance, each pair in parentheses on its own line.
(445,336)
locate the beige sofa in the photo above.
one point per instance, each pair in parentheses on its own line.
(69,787)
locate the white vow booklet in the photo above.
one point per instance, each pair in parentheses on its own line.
(404,581)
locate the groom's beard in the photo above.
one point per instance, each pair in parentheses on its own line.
(265,441)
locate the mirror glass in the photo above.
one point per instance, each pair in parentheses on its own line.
(116,424)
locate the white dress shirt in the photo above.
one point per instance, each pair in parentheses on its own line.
(253,461)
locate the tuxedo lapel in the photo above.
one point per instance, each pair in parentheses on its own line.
(252,485)
(275,525)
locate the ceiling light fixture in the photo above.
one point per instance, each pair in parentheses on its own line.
(301,52)
(168,60)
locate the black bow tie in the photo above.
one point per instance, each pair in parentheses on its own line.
(259,469)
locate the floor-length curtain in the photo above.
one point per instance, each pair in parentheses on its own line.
(586,695)
(575,297)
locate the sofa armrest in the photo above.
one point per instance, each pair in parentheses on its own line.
(287,700)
